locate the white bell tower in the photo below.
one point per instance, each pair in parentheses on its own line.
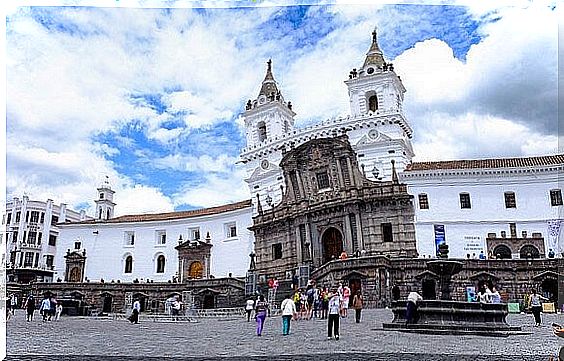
(380,131)
(105,201)
(269,116)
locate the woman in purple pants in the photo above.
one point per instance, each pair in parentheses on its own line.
(260,313)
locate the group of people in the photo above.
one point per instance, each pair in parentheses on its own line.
(488,294)
(313,302)
(49,308)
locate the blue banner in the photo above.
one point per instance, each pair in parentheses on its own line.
(439,236)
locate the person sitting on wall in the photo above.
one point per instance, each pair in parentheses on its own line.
(343,256)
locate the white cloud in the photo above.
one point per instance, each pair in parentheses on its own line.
(217,190)
(139,199)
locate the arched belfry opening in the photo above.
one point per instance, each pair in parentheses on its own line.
(332,241)
(373,103)
(261,129)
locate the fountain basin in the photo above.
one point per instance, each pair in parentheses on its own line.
(454,317)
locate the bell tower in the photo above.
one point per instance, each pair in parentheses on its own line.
(380,131)
(268,116)
(375,87)
(105,202)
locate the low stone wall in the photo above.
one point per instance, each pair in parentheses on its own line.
(118,297)
(377,275)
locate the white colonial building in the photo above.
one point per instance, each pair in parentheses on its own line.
(32,237)
(147,246)
(505,207)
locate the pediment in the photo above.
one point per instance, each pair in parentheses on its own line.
(355,274)
(371,138)
(483,275)
(546,274)
(260,173)
(426,274)
(207,290)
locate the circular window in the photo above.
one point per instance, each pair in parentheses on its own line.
(373,134)
(370,70)
(264,164)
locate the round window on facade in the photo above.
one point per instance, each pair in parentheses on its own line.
(370,70)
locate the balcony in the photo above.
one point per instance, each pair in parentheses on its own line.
(12,266)
(23,245)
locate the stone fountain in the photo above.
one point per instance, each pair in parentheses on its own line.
(446,316)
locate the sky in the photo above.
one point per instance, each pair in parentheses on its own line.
(150,93)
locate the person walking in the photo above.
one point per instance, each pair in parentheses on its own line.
(58,311)
(249,307)
(261,309)
(45,308)
(358,303)
(536,306)
(288,311)
(134,318)
(30,308)
(411,312)
(334,309)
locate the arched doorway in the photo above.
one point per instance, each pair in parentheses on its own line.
(332,242)
(429,289)
(196,270)
(549,289)
(142,300)
(209,301)
(107,303)
(529,251)
(502,252)
(355,285)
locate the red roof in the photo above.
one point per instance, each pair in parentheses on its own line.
(171,215)
(545,160)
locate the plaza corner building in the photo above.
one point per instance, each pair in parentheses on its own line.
(345,184)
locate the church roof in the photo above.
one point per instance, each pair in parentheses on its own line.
(374,55)
(268,84)
(172,215)
(523,162)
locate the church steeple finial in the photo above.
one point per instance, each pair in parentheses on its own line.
(375,55)
(269,88)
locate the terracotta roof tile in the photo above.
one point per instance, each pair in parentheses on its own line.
(545,160)
(172,215)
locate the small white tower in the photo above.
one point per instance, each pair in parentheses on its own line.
(105,202)
(375,87)
(268,116)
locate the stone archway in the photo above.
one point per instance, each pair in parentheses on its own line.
(529,251)
(502,252)
(549,289)
(332,242)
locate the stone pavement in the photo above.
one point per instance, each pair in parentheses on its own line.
(90,339)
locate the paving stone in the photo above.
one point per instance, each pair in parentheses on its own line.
(92,339)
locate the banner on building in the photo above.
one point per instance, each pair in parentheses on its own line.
(439,236)
(471,294)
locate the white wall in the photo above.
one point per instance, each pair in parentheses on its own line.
(106,251)
(488,213)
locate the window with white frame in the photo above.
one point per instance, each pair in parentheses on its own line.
(194,233)
(231,230)
(161,263)
(161,237)
(555,197)
(129,238)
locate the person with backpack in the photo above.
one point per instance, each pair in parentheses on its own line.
(309,301)
(261,309)
(358,303)
(45,308)
(334,309)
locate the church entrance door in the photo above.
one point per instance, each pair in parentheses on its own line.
(209,302)
(332,241)
(107,303)
(355,285)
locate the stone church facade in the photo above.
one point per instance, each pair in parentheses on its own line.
(328,206)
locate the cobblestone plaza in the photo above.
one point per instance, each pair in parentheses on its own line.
(77,338)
